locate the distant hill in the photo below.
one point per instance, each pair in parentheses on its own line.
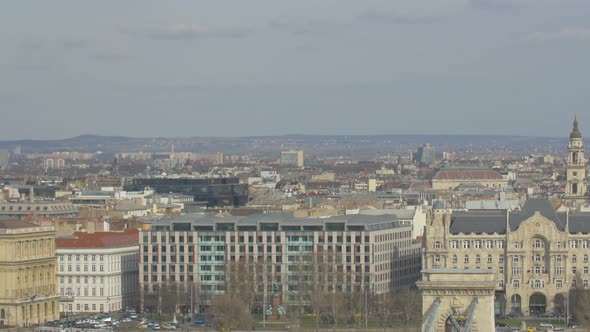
(329,145)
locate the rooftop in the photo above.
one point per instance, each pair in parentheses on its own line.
(83,240)
(467,174)
(13,224)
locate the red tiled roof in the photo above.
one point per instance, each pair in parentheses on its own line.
(5,224)
(126,238)
(467,174)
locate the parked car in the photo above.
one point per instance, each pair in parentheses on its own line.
(547,325)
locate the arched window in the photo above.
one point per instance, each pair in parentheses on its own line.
(2,314)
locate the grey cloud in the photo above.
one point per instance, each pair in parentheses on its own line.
(296,25)
(111,57)
(191,31)
(384,17)
(31,44)
(571,34)
(497,4)
(71,44)
(31,66)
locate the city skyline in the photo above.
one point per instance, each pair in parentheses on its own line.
(338,67)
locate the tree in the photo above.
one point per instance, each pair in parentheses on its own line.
(227,313)
(579,297)
(242,280)
(168,299)
(408,302)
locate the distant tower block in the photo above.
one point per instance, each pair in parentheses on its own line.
(292,158)
(219,158)
(457,300)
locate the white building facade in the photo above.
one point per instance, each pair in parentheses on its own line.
(98,272)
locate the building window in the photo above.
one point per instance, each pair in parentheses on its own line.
(574,270)
(537,244)
(465,244)
(585,258)
(501,244)
(574,258)
(516,284)
(558,283)
(585,283)
(501,259)
(558,258)
(489,244)
(454,259)
(573,244)
(559,270)
(437,258)
(515,259)
(477,259)
(477,244)
(437,245)
(537,258)
(466,259)
(454,244)
(538,284)
(516,270)
(490,259)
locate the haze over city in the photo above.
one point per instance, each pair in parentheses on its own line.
(210,68)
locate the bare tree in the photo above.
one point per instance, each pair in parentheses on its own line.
(168,298)
(243,280)
(229,313)
(408,302)
(579,298)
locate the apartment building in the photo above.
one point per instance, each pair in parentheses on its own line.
(98,272)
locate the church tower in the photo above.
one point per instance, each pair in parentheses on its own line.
(575,187)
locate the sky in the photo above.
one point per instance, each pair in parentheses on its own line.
(242,68)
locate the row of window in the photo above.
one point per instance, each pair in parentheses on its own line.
(80,257)
(559,283)
(269,238)
(81,292)
(87,307)
(489,244)
(467,244)
(63,268)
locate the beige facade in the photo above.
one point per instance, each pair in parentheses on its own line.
(535,255)
(457,298)
(28,288)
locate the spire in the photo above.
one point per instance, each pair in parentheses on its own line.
(576,132)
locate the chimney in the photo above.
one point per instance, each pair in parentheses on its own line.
(31,195)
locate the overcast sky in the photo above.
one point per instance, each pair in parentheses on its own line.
(233,68)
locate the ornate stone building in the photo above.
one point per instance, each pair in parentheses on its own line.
(28,288)
(535,254)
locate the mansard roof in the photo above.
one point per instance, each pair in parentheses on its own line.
(494,221)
